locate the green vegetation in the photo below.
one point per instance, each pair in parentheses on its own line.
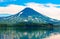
(25,26)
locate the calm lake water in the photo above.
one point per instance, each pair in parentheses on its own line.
(38,34)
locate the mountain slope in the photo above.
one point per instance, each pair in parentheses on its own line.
(27,15)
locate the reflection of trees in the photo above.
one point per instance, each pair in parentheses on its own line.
(3,27)
(27,26)
(33,26)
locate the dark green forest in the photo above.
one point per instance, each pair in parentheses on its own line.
(25,26)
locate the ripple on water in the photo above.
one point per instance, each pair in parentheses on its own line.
(25,35)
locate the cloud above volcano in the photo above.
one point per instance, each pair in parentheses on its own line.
(48,9)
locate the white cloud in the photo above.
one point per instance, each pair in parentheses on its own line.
(11,9)
(49,9)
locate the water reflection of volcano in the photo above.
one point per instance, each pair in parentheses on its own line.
(25,35)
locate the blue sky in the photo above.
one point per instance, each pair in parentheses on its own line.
(21,2)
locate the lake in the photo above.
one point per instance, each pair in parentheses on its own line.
(34,34)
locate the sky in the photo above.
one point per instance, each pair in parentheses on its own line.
(50,8)
(21,2)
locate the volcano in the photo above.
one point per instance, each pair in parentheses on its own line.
(28,18)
